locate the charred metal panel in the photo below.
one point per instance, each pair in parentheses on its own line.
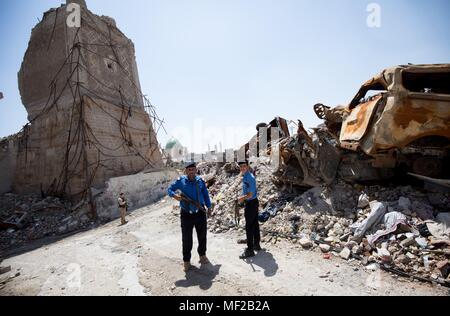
(356,124)
(406,120)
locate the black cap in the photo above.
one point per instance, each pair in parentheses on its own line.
(190,164)
(240,163)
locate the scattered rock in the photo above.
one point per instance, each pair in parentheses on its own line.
(42,217)
(408,242)
(325,248)
(384,255)
(422,242)
(411,256)
(403,259)
(306,243)
(345,254)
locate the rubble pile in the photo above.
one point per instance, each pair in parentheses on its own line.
(400,228)
(31,217)
(225,186)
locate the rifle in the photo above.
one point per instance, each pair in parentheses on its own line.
(192,202)
(237,215)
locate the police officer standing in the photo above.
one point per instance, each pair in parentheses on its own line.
(193,198)
(250,198)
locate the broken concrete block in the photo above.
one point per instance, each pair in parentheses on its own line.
(338,230)
(422,242)
(384,255)
(325,248)
(408,242)
(357,250)
(345,254)
(306,243)
(411,256)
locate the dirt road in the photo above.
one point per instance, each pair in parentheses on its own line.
(144,258)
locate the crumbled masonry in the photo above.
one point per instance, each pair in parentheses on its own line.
(325,219)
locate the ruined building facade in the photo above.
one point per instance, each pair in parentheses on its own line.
(89,121)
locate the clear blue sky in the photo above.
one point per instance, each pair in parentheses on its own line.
(236,63)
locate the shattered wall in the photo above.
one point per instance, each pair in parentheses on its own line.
(89,120)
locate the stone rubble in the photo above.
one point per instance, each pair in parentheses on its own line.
(45,217)
(322,218)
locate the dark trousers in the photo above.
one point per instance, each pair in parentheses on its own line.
(252,224)
(188,222)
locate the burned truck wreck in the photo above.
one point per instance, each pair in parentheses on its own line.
(398,123)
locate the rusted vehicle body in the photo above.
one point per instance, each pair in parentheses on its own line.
(398,123)
(400,119)
(262,141)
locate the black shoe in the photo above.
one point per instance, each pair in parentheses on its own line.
(258,248)
(247,254)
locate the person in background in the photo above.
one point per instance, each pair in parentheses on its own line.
(123,208)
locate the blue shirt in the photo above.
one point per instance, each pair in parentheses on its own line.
(249,185)
(189,188)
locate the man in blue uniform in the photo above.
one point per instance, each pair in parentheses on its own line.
(193,198)
(250,198)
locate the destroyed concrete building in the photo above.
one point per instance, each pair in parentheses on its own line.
(88,119)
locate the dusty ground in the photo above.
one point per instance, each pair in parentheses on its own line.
(143,258)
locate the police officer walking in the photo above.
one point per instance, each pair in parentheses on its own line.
(250,198)
(193,198)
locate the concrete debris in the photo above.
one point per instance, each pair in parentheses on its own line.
(306,243)
(325,248)
(384,254)
(407,242)
(345,254)
(38,218)
(421,242)
(378,210)
(329,216)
